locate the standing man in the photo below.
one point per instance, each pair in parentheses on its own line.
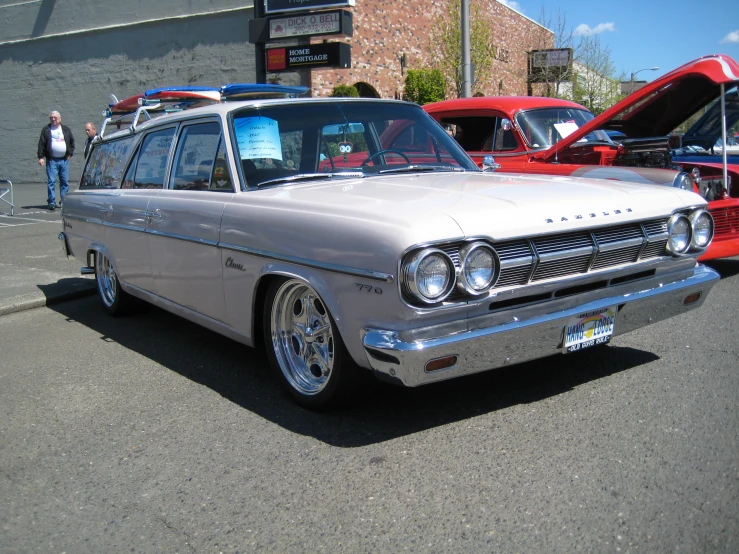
(55,147)
(91,134)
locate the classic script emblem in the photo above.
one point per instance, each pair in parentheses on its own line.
(590,215)
(232,264)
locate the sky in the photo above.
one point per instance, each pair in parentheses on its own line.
(647,33)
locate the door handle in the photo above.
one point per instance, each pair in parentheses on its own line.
(107,209)
(155,213)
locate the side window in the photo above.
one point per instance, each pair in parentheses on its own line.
(105,164)
(151,162)
(195,157)
(501,139)
(221,180)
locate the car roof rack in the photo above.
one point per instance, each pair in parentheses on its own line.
(134,110)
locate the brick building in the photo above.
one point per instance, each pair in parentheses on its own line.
(71,55)
(384,30)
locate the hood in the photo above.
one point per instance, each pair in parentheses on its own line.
(499,206)
(660,106)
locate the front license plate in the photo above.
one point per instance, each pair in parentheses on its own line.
(589,329)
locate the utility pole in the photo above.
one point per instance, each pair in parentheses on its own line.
(466,65)
(260,63)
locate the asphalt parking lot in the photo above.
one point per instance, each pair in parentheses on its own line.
(149,433)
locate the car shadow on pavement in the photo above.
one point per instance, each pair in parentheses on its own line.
(67,288)
(242,375)
(727,267)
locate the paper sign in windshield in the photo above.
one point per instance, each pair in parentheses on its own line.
(258,137)
(565,129)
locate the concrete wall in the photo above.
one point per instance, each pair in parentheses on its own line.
(71,55)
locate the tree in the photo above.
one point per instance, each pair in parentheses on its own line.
(424,85)
(556,83)
(595,84)
(345,90)
(446,46)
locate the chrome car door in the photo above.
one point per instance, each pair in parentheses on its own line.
(186,219)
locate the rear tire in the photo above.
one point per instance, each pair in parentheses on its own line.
(114,299)
(305,349)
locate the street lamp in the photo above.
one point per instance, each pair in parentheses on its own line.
(631,83)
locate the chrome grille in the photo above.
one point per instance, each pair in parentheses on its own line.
(567,254)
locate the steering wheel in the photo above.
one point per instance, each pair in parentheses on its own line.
(371,156)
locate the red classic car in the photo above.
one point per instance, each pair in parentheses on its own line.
(548,135)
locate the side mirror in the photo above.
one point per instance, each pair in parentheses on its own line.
(488,164)
(506,124)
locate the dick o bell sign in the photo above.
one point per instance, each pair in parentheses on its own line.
(325,23)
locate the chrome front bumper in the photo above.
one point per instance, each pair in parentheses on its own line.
(518,335)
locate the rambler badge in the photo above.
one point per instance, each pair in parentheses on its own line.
(590,215)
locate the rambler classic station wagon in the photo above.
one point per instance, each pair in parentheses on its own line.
(354,237)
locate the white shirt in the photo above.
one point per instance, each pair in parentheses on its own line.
(58,146)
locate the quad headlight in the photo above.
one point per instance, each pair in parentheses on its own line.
(429,275)
(679,234)
(683,181)
(701,223)
(478,268)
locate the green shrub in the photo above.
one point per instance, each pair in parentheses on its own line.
(424,85)
(345,90)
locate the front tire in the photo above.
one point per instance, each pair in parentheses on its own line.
(114,299)
(305,349)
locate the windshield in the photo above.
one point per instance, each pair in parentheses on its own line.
(544,127)
(289,142)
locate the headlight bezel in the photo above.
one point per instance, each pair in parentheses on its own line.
(410,269)
(684,181)
(693,218)
(671,224)
(463,283)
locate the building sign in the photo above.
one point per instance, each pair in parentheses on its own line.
(328,54)
(549,65)
(274,6)
(317,23)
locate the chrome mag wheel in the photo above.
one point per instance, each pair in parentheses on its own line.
(302,337)
(107,280)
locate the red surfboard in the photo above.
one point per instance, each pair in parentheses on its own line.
(127,105)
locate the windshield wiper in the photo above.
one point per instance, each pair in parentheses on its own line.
(311,177)
(415,168)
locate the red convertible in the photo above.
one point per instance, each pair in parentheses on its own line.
(548,135)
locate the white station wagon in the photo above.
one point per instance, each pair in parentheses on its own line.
(354,237)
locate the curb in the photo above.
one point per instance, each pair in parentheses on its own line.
(38,300)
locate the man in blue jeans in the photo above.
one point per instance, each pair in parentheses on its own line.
(55,147)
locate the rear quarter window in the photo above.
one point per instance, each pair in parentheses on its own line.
(105,165)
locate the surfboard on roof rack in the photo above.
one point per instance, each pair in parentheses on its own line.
(182,94)
(127,105)
(245,91)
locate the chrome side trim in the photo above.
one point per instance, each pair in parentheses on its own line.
(125,227)
(184,238)
(364,273)
(93,220)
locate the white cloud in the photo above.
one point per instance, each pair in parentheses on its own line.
(512,4)
(731,37)
(585,30)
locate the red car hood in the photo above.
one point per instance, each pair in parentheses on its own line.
(660,106)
